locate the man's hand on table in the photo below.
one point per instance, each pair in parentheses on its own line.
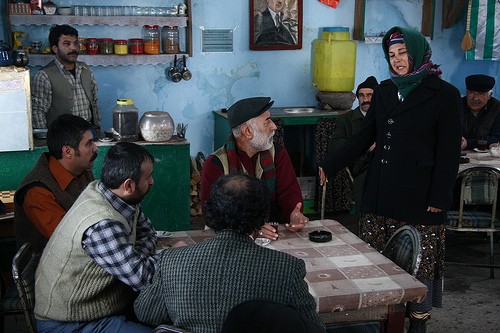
(297,219)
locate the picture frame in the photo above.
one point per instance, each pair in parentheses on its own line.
(269,31)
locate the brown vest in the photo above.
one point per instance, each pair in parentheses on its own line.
(40,175)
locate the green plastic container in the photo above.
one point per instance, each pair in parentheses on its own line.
(334,65)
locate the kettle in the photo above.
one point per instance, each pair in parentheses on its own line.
(5,54)
(20,57)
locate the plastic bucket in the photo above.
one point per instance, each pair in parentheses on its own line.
(334,63)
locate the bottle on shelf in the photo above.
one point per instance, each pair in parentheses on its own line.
(170,39)
(151,36)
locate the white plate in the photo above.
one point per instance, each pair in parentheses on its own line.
(298,110)
(477,150)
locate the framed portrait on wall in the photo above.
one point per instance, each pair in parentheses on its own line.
(275,24)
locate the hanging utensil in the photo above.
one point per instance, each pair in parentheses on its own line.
(186,73)
(173,72)
(467,40)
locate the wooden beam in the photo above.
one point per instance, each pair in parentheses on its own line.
(428,18)
(359,20)
(450,15)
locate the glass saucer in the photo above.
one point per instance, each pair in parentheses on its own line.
(262,241)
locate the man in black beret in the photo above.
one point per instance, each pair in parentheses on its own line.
(250,149)
(481,118)
(348,124)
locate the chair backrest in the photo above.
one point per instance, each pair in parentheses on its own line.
(404,249)
(24,266)
(479,187)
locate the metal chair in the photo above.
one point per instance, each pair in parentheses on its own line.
(24,266)
(404,249)
(169,329)
(479,186)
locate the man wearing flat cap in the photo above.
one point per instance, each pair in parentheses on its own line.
(250,149)
(348,124)
(481,118)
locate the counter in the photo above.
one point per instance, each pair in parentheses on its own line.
(168,202)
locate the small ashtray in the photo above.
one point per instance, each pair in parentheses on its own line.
(320,236)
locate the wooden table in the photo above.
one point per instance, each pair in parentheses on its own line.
(349,280)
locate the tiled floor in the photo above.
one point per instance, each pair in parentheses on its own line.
(471,299)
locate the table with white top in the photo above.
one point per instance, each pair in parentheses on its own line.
(348,278)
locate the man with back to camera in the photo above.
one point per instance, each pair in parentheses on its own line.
(481,117)
(250,149)
(65,85)
(195,287)
(348,124)
(102,252)
(49,190)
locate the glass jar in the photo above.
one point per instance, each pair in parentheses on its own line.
(121,47)
(125,120)
(82,46)
(92,47)
(105,46)
(136,45)
(151,36)
(49,8)
(170,39)
(156,126)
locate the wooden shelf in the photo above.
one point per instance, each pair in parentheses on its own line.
(17,20)
(110,60)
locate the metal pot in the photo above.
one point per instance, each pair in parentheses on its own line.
(5,54)
(20,57)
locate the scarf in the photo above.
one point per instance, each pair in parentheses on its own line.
(266,163)
(419,57)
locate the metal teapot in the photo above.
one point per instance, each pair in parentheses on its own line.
(5,54)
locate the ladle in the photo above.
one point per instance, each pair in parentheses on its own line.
(186,73)
(173,72)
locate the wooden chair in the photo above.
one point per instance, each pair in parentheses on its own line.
(404,249)
(24,266)
(479,186)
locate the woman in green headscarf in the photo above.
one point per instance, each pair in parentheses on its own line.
(414,118)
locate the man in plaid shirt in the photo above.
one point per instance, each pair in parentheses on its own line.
(102,252)
(65,85)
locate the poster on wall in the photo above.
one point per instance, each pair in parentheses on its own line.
(275,24)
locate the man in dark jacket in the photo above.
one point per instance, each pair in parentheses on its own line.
(348,124)
(481,117)
(49,190)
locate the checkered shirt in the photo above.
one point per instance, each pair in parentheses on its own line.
(42,95)
(109,244)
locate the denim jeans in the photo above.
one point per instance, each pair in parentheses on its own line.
(114,324)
